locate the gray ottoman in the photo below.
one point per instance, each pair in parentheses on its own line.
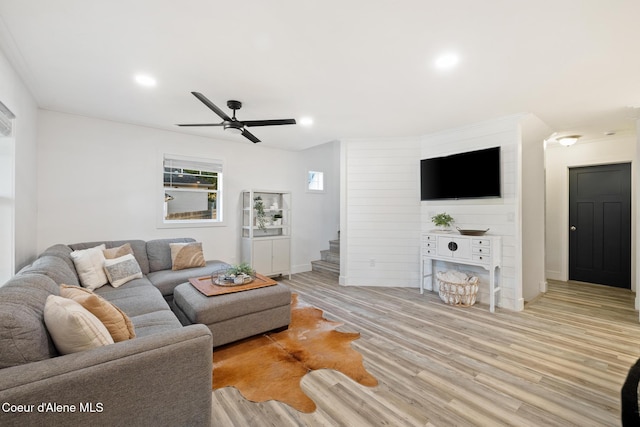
(237,315)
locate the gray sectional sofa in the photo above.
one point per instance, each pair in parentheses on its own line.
(161,377)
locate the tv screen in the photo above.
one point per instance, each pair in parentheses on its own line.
(470,175)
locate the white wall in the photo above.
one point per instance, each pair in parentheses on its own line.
(100,180)
(499,215)
(317,215)
(19,197)
(532,201)
(382,217)
(610,149)
(380,212)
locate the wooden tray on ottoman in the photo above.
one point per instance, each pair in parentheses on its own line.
(206,286)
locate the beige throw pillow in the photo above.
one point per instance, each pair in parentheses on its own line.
(186,255)
(72,327)
(89,264)
(117,323)
(123,250)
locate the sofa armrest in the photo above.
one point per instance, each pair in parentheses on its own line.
(160,379)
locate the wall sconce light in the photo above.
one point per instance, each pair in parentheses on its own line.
(568,140)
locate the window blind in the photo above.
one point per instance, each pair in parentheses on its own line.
(6,120)
(213,165)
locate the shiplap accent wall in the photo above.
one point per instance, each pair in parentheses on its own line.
(380,212)
(499,215)
(382,217)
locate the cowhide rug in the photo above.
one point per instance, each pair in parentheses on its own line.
(270,366)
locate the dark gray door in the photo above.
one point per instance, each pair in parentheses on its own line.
(600,224)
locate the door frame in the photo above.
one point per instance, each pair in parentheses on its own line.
(634,218)
(608,166)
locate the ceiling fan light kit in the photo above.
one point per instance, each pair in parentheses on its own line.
(233,127)
(232,124)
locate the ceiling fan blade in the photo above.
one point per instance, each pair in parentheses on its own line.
(251,137)
(200,124)
(212,106)
(269,122)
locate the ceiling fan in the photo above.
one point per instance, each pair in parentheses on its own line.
(234,125)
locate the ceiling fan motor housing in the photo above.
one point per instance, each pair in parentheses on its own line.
(233,126)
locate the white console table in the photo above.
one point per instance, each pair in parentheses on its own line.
(482,251)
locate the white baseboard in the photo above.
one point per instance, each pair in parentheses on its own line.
(543,286)
(301,268)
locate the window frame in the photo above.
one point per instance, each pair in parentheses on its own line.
(197,163)
(309,181)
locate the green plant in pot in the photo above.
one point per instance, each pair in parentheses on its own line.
(239,269)
(442,220)
(261,216)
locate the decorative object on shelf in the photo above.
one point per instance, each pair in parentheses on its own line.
(443,221)
(276,219)
(240,274)
(457,288)
(261,216)
(471,232)
(266,238)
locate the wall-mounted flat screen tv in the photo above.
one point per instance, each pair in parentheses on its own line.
(470,175)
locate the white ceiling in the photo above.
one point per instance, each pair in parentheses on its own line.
(360,68)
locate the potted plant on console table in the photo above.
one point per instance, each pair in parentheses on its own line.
(442,222)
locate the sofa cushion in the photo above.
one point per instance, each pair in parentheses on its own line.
(167,280)
(122,270)
(115,320)
(159,253)
(90,266)
(186,255)
(72,327)
(61,251)
(155,322)
(139,248)
(23,335)
(134,298)
(55,268)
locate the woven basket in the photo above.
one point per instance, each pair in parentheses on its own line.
(460,293)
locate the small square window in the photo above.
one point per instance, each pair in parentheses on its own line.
(315,181)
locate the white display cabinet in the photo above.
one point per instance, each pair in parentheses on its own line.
(266,231)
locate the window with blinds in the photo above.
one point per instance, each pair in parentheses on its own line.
(192,190)
(6,120)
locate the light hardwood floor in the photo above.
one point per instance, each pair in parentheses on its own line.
(560,362)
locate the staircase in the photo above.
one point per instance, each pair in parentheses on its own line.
(330,259)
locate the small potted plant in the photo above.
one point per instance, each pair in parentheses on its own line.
(240,274)
(442,221)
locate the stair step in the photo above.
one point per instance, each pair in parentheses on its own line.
(328,256)
(334,246)
(325,266)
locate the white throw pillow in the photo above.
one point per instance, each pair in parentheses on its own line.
(89,264)
(122,269)
(72,327)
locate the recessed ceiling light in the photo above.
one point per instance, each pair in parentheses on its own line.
(447,60)
(145,80)
(306,121)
